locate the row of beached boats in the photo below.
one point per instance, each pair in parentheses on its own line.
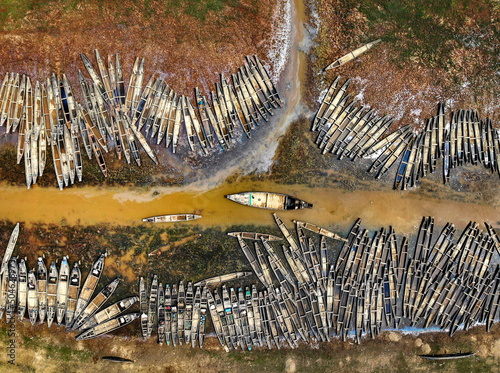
(354,132)
(47,115)
(57,295)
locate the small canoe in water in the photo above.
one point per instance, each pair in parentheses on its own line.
(267,200)
(171,218)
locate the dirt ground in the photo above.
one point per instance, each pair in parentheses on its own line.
(42,350)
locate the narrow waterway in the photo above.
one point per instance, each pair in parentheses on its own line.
(333,208)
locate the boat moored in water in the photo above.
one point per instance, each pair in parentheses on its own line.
(268,200)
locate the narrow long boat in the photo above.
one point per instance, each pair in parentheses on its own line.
(89,285)
(32,297)
(195,324)
(41,277)
(168,314)
(203,316)
(188,315)
(152,305)
(52,293)
(22,290)
(73,292)
(143,307)
(254,236)
(12,290)
(62,290)
(171,218)
(352,55)
(267,200)
(161,314)
(181,309)
(108,326)
(10,248)
(223,278)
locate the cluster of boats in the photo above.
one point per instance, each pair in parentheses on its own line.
(348,131)
(46,114)
(56,294)
(179,313)
(375,282)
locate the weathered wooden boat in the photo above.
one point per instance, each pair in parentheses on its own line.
(152,306)
(109,312)
(267,200)
(32,297)
(254,236)
(10,248)
(11,296)
(188,315)
(171,218)
(177,122)
(352,55)
(62,290)
(161,314)
(215,317)
(41,277)
(175,334)
(143,307)
(168,314)
(223,278)
(195,324)
(203,316)
(95,303)
(22,290)
(89,285)
(321,231)
(73,292)
(52,280)
(107,326)
(181,310)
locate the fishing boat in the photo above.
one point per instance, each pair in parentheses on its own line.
(267,200)
(22,290)
(41,277)
(89,285)
(32,297)
(62,290)
(195,324)
(161,314)
(152,305)
(188,315)
(12,290)
(143,307)
(107,326)
(52,293)
(73,292)
(254,236)
(223,278)
(203,316)
(171,218)
(10,248)
(168,314)
(352,55)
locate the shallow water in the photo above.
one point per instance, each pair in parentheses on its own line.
(332,207)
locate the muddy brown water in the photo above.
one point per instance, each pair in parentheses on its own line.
(332,207)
